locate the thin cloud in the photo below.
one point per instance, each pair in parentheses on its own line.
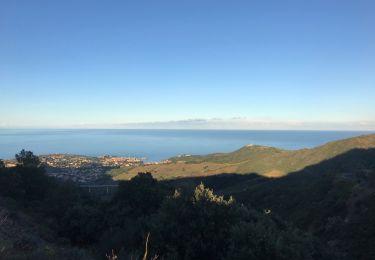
(239,123)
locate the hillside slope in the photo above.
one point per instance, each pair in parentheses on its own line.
(335,200)
(265,161)
(22,238)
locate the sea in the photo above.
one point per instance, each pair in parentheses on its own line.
(155,145)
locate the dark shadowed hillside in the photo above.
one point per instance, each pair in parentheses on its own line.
(335,200)
(23,237)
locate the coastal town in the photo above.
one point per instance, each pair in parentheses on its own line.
(85,169)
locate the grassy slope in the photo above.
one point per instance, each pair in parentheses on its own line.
(266,161)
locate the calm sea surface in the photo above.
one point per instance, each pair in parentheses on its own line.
(155,144)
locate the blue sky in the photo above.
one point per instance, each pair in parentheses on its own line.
(224,64)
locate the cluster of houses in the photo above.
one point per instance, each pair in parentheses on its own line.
(84,169)
(114,161)
(157,163)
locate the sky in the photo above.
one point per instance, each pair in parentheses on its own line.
(187,64)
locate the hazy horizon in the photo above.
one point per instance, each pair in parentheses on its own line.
(157,144)
(218,124)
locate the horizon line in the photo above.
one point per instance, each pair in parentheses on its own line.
(187,129)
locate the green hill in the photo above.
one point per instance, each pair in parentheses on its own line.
(265,161)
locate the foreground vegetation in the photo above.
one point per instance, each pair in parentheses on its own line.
(323,211)
(45,219)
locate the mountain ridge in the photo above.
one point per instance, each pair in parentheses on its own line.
(263,160)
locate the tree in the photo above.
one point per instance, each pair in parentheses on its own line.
(33,177)
(194,227)
(208,226)
(142,194)
(27,159)
(2,164)
(129,214)
(81,224)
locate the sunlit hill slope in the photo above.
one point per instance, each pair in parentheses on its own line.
(263,160)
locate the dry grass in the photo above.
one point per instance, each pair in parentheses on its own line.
(274,174)
(180,169)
